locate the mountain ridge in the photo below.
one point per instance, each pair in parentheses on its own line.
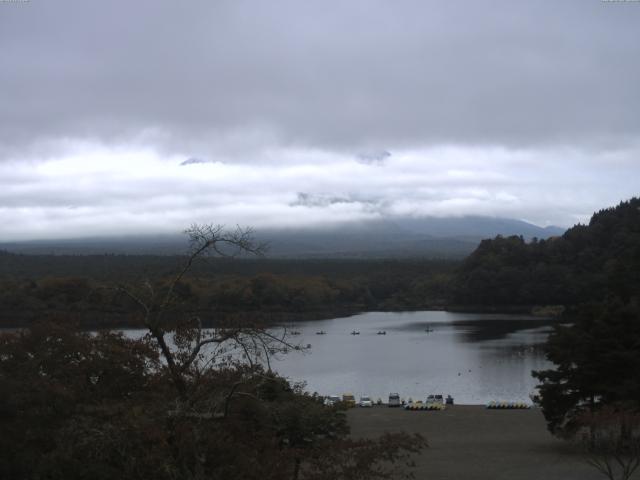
(438,237)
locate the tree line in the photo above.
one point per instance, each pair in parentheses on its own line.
(589,261)
(271,289)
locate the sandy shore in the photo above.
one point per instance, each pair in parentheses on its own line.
(471,442)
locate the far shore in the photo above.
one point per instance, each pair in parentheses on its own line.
(99,320)
(472,442)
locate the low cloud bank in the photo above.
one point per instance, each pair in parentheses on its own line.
(95,190)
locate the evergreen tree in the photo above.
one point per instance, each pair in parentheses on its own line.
(597,360)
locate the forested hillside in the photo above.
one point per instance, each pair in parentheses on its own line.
(33,286)
(586,263)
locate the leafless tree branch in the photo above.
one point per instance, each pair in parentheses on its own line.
(204,240)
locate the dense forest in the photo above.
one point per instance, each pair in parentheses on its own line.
(588,262)
(85,286)
(593,390)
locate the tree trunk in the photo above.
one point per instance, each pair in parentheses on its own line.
(176,375)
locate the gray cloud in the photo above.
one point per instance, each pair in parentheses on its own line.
(197,77)
(323,201)
(194,161)
(117,192)
(311,200)
(374,157)
(520,109)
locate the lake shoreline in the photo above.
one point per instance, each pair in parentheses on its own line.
(104,320)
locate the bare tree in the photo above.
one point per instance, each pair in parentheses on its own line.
(185,345)
(611,441)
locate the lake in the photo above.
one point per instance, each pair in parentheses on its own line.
(475,358)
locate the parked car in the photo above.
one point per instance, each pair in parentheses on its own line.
(332,400)
(366,402)
(349,399)
(394,400)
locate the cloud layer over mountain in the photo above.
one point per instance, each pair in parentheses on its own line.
(523,109)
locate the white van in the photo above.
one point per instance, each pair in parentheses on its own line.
(394,400)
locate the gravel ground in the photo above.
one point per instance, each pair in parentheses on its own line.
(471,442)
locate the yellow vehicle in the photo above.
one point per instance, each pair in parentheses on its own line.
(349,400)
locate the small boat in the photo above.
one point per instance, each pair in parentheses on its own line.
(321,332)
(428,329)
(508,405)
(355,333)
(294,332)
(382,332)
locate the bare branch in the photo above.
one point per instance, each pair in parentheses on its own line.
(198,347)
(204,239)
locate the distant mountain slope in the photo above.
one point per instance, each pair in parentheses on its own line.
(397,237)
(586,263)
(476,227)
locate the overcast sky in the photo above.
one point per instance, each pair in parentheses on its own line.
(124,117)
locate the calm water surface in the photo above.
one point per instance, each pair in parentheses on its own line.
(475,358)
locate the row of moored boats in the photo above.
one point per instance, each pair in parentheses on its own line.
(508,405)
(354,332)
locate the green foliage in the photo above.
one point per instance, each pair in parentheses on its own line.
(594,270)
(290,287)
(588,262)
(53,378)
(597,360)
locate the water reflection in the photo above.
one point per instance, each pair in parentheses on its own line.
(475,358)
(478,328)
